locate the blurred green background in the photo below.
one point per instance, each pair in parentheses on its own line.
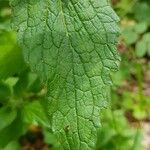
(125,125)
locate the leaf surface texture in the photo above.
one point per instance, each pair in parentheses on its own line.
(71,44)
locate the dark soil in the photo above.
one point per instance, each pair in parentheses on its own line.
(33,140)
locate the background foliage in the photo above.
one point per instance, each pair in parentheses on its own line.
(23,121)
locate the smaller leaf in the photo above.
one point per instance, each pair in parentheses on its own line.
(143,46)
(12,146)
(130,36)
(12,132)
(141,12)
(146,37)
(34,113)
(34,84)
(148,51)
(5,92)
(28,83)
(141,27)
(7,116)
(21,85)
(50,138)
(139,113)
(141,49)
(10,55)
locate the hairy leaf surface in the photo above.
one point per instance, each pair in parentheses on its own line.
(72,44)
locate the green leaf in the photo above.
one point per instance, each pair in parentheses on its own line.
(115,128)
(13,145)
(49,138)
(11,132)
(5,92)
(9,55)
(141,12)
(141,27)
(141,48)
(72,44)
(7,116)
(28,83)
(146,38)
(34,113)
(130,36)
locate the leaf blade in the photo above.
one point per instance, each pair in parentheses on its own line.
(73,46)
